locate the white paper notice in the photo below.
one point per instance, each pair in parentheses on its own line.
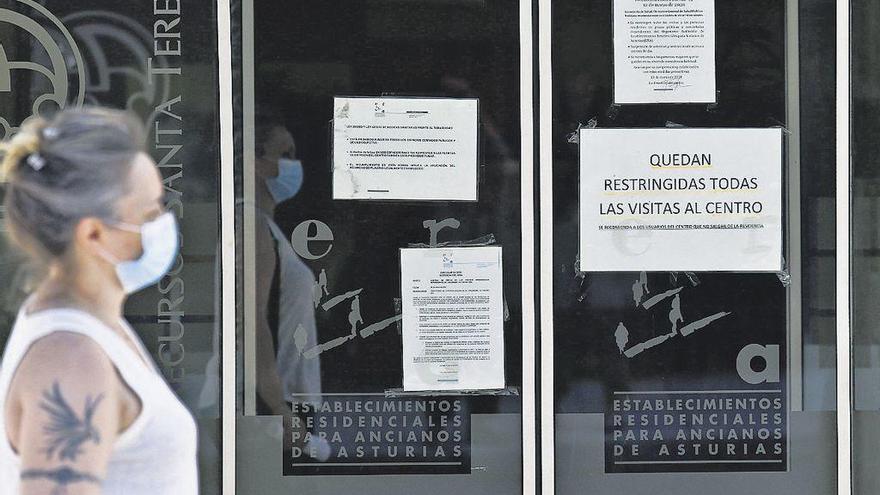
(405,148)
(664,51)
(453,318)
(681,200)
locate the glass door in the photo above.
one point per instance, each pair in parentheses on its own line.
(864,101)
(370,133)
(690,314)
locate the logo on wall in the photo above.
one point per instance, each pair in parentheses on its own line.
(93,56)
(705,388)
(115,48)
(52,62)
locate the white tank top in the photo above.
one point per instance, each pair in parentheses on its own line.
(300,375)
(156,454)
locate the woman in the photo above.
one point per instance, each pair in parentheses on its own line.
(285,326)
(85,410)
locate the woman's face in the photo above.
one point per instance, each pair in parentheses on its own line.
(279,144)
(143,203)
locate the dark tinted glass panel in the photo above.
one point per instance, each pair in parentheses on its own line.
(159,61)
(865,170)
(774,67)
(343,255)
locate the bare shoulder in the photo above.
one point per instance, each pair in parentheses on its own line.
(76,359)
(64,415)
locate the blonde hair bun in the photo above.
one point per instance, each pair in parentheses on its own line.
(22,144)
(60,171)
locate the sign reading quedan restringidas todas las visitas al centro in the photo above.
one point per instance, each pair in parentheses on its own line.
(681,199)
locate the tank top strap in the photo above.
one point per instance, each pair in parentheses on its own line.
(29,328)
(130,365)
(273,227)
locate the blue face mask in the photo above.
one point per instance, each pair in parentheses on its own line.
(160,244)
(288,182)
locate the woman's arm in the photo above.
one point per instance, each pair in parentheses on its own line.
(269,385)
(64,413)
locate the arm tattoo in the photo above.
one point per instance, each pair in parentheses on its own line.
(66,432)
(62,477)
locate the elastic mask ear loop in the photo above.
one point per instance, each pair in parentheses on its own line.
(128,227)
(108,256)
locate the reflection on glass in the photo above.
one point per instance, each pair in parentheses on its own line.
(60,54)
(344,267)
(285,285)
(624,336)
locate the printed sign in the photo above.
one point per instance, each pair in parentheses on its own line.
(417,149)
(664,51)
(453,318)
(681,200)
